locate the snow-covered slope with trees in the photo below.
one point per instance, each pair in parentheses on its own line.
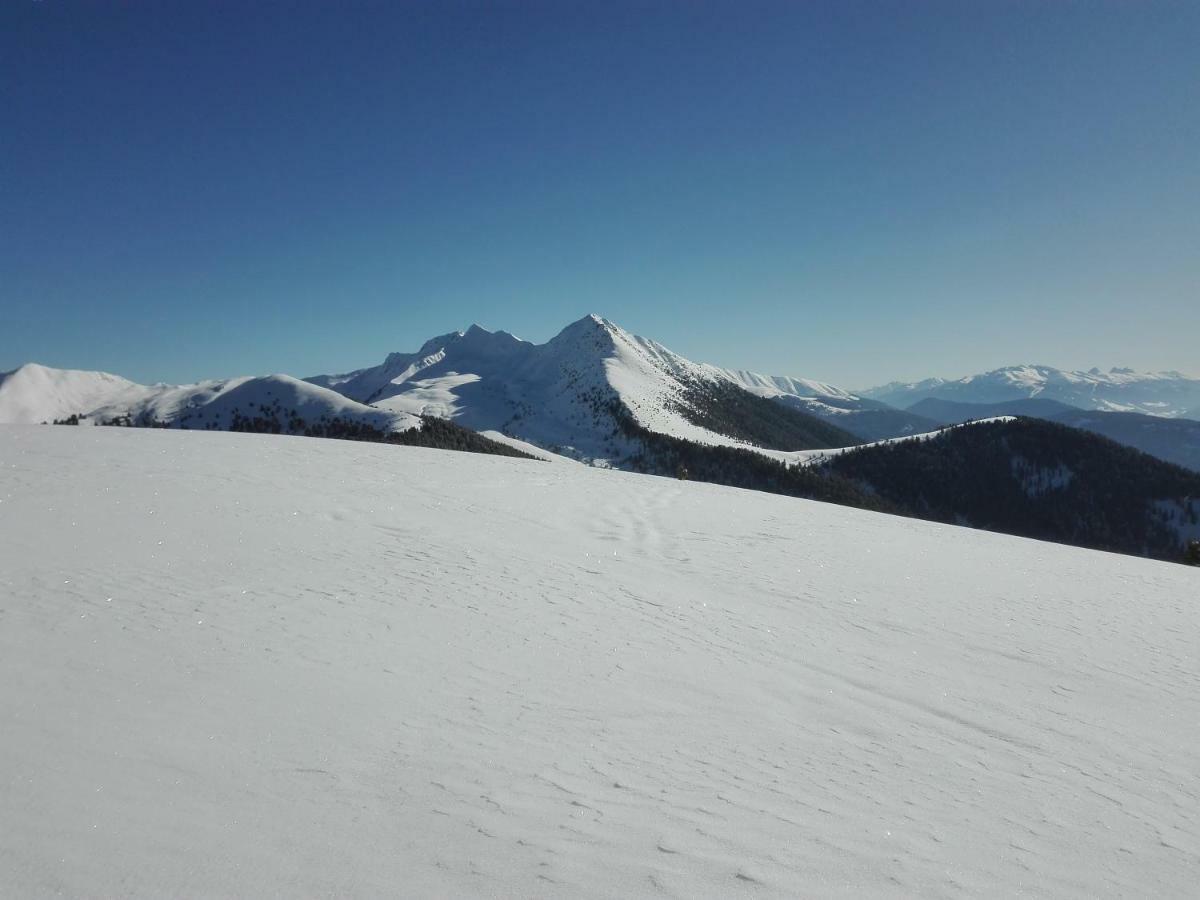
(1117,390)
(35,393)
(242,665)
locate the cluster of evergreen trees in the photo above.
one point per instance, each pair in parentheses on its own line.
(436,433)
(144,420)
(443,434)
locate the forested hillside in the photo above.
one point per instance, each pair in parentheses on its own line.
(1037,479)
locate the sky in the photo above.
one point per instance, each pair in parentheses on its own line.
(854,192)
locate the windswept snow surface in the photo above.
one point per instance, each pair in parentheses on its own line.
(244,665)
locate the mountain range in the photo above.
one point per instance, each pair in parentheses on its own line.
(278,404)
(1168,394)
(563,395)
(559,396)
(35,393)
(598,394)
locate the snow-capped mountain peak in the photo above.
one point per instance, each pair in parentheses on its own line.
(559,394)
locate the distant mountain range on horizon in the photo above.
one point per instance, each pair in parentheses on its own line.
(1168,394)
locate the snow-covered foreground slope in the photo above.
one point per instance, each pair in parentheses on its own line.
(241,665)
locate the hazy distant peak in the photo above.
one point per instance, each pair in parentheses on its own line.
(1120,389)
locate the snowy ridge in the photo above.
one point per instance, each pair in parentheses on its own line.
(1169,394)
(215,404)
(652,382)
(773,385)
(36,393)
(449,675)
(816,457)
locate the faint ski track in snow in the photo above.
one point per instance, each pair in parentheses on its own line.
(240,665)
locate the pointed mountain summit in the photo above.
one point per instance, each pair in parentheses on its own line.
(580,393)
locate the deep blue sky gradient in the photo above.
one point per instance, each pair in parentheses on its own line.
(854,192)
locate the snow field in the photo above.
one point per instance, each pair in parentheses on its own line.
(244,665)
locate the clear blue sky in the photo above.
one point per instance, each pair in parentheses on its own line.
(852,192)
